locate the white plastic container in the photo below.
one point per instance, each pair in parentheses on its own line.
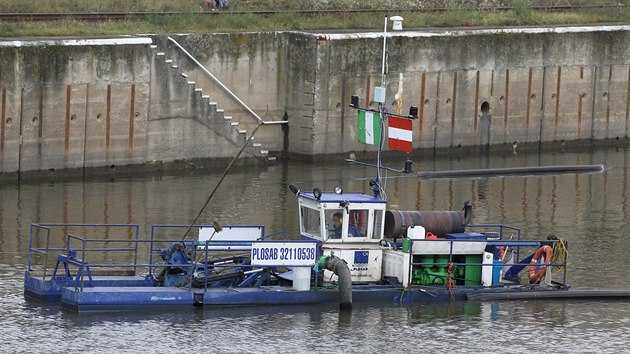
(416,233)
(302,278)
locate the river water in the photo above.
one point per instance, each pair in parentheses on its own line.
(589,210)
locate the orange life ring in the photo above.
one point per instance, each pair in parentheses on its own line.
(534,276)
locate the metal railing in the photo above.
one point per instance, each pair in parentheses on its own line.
(49,228)
(89,254)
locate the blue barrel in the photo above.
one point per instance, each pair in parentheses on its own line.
(496,272)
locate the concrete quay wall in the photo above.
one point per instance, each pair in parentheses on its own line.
(83,106)
(505,89)
(77,105)
(69,104)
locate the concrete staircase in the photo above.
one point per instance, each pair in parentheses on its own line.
(202,108)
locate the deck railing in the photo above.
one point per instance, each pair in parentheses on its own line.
(61,231)
(87,256)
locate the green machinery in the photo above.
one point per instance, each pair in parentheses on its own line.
(432,269)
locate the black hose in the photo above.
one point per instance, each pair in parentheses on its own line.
(552,294)
(340,268)
(512,171)
(201,282)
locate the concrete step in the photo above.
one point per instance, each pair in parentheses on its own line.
(218,111)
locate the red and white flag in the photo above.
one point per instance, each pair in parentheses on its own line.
(399,134)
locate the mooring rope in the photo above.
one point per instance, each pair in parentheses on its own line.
(559,256)
(450,284)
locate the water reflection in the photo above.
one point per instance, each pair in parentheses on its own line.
(549,313)
(444,311)
(590,211)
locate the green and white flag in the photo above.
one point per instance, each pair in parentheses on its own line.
(369,127)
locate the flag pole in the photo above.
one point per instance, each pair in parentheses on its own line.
(384,53)
(381,109)
(377,188)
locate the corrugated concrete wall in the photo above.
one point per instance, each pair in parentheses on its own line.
(69,105)
(73,107)
(509,88)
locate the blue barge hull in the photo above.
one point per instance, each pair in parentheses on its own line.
(142,298)
(49,290)
(114,298)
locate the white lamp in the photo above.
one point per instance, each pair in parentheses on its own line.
(397,23)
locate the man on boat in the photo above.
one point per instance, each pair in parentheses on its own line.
(337,222)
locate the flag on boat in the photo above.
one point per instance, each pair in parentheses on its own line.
(399,134)
(369,127)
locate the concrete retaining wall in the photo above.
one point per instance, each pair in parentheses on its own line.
(507,88)
(75,105)
(71,104)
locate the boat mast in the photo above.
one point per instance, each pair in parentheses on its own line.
(384,54)
(378,190)
(379,99)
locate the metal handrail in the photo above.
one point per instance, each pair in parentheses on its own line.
(225,88)
(82,267)
(32,250)
(48,227)
(200,247)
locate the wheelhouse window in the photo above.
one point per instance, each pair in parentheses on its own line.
(334,223)
(311,222)
(378,225)
(358,223)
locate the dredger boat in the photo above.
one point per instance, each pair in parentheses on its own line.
(374,255)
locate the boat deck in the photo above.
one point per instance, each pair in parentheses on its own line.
(50,289)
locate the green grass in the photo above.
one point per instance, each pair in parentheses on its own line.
(65,6)
(194,19)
